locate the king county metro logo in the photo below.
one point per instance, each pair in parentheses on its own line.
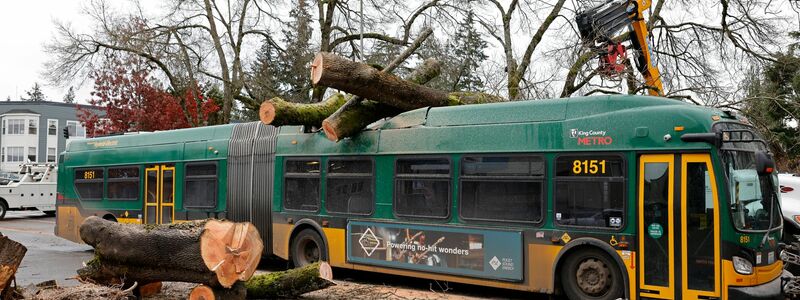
(369,242)
(590,137)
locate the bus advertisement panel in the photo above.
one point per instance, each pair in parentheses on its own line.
(450,250)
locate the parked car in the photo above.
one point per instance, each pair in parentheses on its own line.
(790,204)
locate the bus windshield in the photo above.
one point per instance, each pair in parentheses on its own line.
(753,195)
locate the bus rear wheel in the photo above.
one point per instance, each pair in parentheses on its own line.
(591,274)
(307,248)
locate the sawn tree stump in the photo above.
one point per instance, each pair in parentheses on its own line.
(11,254)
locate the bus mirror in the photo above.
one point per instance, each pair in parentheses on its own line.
(764,163)
(711,138)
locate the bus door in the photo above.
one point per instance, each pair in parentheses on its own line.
(678,227)
(159,206)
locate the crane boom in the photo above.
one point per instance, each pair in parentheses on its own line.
(597,24)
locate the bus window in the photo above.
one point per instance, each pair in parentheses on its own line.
(301,188)
(123,183)
(89,183)
(492,184)
(422,187)
(590,190)
(200,185)
(349,187)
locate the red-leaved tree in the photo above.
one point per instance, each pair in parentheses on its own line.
(136,101)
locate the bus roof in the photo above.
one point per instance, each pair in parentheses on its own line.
(605,123)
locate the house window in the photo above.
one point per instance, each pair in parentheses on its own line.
(51,154)
(15,126)
(32,154)
(76,129)
(52,127)
(3,154)
(16,154)
(32,127)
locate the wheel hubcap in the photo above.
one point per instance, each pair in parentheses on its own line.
(310,251)
(594,277)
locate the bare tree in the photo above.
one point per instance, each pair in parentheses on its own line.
(516,67)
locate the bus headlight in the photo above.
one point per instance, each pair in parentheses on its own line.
(742,266)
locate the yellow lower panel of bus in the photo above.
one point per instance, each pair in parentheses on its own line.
(280,239)
(68,223)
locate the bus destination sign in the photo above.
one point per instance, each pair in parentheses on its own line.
(459,251)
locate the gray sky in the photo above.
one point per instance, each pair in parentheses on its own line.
(25,26)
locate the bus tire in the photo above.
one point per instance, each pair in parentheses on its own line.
(307,248)
(592,274)
(3,209)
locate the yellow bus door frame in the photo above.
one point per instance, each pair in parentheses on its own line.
(159,187)
(700,266)
(696,204)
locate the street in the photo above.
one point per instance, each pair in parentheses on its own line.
(48,257)
(52,258)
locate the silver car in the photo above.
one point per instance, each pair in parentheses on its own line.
(790,204)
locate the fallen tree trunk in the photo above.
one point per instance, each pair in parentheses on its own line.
(356,114)
(363,80)
(290,283)
(211,252)
(279,112)
(11,254)
(204,292)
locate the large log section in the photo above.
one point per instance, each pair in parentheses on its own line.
(212,252)
(360,79)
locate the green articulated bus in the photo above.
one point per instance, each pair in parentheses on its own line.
(595,198)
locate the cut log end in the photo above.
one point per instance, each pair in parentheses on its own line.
(266,112)
(325,271)
(202,292)
(231,250)
(316,68)
(330,130)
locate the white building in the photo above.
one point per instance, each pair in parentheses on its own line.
(33,130)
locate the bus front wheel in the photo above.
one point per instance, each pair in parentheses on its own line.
(592,274)
(307,248)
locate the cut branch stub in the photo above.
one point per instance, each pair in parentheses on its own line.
(278,112)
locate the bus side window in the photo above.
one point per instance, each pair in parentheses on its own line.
(349,186)
(301,187)
(590,190)
(422,187)
(123,183)
(490,185)
(89,183)
(200,185)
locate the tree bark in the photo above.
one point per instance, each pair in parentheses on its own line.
(189,252)
(356,114)
(290,283)
(11,254)
(363,80)
(204,292)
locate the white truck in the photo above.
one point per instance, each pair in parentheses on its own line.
(33,187)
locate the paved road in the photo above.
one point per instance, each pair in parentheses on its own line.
(48,256)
